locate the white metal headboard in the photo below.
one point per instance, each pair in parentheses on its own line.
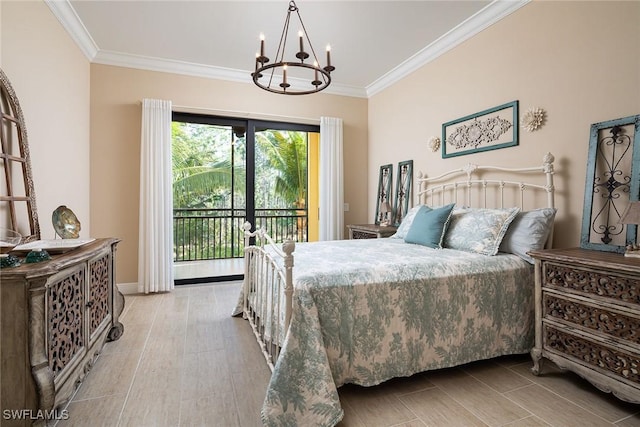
(474,189)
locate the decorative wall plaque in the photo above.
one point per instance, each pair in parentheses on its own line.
(383,201)
(613,180)
(403,191)
(487,130)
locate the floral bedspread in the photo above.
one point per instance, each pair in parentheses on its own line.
(365,311)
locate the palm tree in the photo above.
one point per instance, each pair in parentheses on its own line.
(202,178)
(202,169)
(286,154)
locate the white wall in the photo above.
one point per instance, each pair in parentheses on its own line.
(50,76)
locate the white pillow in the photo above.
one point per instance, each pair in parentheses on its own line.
(528,231)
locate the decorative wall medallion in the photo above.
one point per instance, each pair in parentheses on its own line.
(533,119)
(434,143)
(487,130)
(478,132)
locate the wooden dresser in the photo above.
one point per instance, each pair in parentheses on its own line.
(370,231)
(588,317)
(56,317)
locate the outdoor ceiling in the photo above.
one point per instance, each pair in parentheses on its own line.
(372,42)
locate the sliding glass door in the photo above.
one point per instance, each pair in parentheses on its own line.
(285,175)
(229,171)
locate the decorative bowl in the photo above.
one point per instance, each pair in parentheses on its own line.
(9,239)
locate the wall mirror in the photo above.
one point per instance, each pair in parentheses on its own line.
(613,180)
(17,197)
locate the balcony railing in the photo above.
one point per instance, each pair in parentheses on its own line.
(202,234)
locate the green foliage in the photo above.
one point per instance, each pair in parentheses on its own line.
(285,155)
(209,173)
(202,169)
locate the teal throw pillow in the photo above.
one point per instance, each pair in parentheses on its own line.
(429,225)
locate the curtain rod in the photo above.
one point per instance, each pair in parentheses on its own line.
(244,114)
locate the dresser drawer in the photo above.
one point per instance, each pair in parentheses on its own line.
(592,317)
(618,288)
(356,234)
(588,317)
(619,363)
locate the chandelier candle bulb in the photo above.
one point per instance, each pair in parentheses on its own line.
(300,34)
(284,85)
(261,44)
(328,55)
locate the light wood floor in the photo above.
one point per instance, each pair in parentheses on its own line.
(183,361)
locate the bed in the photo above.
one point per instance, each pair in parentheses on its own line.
(365,311)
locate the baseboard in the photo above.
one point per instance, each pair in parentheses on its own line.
(128,288)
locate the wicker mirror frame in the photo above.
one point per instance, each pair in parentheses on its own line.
(17,196)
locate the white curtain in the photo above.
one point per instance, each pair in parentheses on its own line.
(155,253)
(331,179)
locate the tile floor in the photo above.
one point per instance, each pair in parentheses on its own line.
(183,361)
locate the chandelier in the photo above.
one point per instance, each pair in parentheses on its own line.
(307,77)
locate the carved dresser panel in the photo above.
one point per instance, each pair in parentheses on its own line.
(588,317)
(56,317)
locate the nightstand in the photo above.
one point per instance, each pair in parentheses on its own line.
(588,317)
(370,231)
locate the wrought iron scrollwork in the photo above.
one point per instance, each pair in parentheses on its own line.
(403,191)
(384,194)
(611,183)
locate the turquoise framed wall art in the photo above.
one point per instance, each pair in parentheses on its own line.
(490,129)
(612,181)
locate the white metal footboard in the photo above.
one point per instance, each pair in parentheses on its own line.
(267,290)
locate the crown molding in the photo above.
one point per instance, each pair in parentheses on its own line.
(486,17)
(120,59)
(71,22)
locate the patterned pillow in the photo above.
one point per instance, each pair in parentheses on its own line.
(528,231)
(478,230)
(429,225)
(402,230)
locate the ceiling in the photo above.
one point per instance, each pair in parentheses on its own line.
(373,43)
